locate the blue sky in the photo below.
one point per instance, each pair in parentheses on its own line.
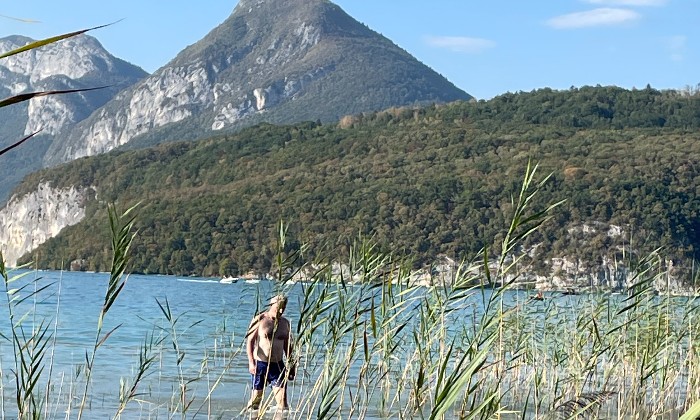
(484,47)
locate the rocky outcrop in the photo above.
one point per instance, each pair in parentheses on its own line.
(30,220)
(73,63)
(168,96)
(261,99)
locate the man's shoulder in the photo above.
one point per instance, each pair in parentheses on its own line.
(257,318)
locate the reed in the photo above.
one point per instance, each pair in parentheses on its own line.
(371,338)
(121,228)
(379,346)
(128,390)
(371,343)
(30,343)
(182,398)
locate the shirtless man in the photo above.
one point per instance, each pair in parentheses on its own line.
(269,341)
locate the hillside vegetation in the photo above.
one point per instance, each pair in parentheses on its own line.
(421,182)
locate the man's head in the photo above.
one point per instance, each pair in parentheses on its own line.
(278,304)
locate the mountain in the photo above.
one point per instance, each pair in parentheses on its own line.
(75,63)
(424,182)
(279,61)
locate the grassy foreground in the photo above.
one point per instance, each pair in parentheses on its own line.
(371,345)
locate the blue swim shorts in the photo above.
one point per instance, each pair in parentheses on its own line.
(268,374)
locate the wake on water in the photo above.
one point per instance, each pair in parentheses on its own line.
(250,281)
(197,281)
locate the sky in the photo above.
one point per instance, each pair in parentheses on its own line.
(486,48)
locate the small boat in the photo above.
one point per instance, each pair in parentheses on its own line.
(229,280)
(569,292)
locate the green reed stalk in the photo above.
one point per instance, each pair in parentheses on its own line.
(128,390)
(53,348)
(184,401)
(229,355)
(30,347)
(121,227)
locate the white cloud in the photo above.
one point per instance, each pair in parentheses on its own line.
(460,44)
(632,3)
(596,17)
(676,47)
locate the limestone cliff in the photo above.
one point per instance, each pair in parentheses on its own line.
(30,220)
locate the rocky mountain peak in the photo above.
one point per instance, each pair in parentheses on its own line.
(73,63)
(73,58)
(279,61)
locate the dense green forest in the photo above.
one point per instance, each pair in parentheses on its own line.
(420,182)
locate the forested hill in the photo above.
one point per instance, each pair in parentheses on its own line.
(423,182)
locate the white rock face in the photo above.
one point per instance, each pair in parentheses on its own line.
(72,57)
(27,222)
(160,99)
(229,113)
(259,99)
(55,66)
(309,35)
(16,88)
(48,114)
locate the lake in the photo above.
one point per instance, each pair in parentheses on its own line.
(211,321)
(382,354)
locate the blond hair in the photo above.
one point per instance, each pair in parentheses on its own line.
(280,299)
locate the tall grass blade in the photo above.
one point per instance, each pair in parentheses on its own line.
(12,146)
(693,413)
(121,227)
(50,40)
(30,95)
(19,19)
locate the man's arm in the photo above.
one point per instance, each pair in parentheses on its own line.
(251,340)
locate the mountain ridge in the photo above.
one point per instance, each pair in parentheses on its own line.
(75,63)
(272,61)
